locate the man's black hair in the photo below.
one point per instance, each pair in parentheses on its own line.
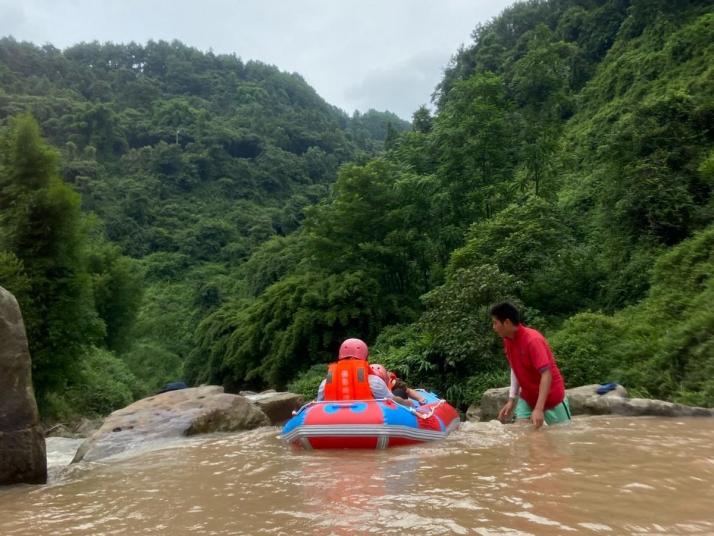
(506,310)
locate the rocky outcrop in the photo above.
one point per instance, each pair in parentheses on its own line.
(171,415)
(584,400)
(277,406)
(491,403)
(22,441)
(639,407)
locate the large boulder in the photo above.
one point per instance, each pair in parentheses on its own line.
(491,403)
(585,400)
(171,415)
(640,407)
(22,442)
(277,406)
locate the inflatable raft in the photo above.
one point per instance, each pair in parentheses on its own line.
(369,424)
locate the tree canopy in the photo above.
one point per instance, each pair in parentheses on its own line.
(568,165)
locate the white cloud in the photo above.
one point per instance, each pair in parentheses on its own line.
(401,87)
(357,54)
(12,18)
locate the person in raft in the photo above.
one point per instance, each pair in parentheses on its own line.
(536,382)
(397,386)
(349,377)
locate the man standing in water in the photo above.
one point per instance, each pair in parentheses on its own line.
(536,382)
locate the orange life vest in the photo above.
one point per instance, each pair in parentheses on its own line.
(348,379)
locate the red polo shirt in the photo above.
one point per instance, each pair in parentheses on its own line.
(528,354)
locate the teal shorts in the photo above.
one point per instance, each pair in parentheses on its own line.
(557,414)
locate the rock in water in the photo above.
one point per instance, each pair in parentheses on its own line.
(171,415)
(585,400)
(23,458)
(278,407)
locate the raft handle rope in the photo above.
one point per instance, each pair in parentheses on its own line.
(351,403)
(424,416)
(304,407)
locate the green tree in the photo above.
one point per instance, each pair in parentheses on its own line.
(452,348)
(299,321)
(475,137)
(422,121)
(42,226)
(661,347)
(392,137)
(540,83)
(533,242)
(118,287)
(457,321)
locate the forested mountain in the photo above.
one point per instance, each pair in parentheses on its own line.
(569,166)
(189,160)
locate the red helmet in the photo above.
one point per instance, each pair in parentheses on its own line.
(355,348)
(379,371)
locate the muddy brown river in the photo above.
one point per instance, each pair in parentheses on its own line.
(598,475)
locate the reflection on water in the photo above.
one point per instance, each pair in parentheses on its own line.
(600,475)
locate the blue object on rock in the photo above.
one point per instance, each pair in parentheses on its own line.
(606,388)
(173,386)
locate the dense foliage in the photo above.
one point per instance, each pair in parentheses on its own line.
(77,292)
(189,161)
(568,166)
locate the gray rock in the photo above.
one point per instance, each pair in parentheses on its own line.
(584,400)
(491,403)
(637,407)
(473,413)
(278,407)
(171,415)
(22,441)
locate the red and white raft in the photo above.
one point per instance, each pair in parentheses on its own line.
(369,424)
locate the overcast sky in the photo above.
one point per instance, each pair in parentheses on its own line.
(357,54)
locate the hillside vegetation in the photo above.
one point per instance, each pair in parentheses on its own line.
(568,166)
(169,167)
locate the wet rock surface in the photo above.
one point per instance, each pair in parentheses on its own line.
(585,400)
(22,440)
(171,415)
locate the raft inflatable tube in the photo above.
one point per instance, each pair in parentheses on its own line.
(370,424)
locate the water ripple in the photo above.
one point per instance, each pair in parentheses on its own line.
(599,475)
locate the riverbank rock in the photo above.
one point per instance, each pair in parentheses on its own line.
(640,407)
(584,400)
(22,442)
(171,415)
(278,406)
(491,403)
